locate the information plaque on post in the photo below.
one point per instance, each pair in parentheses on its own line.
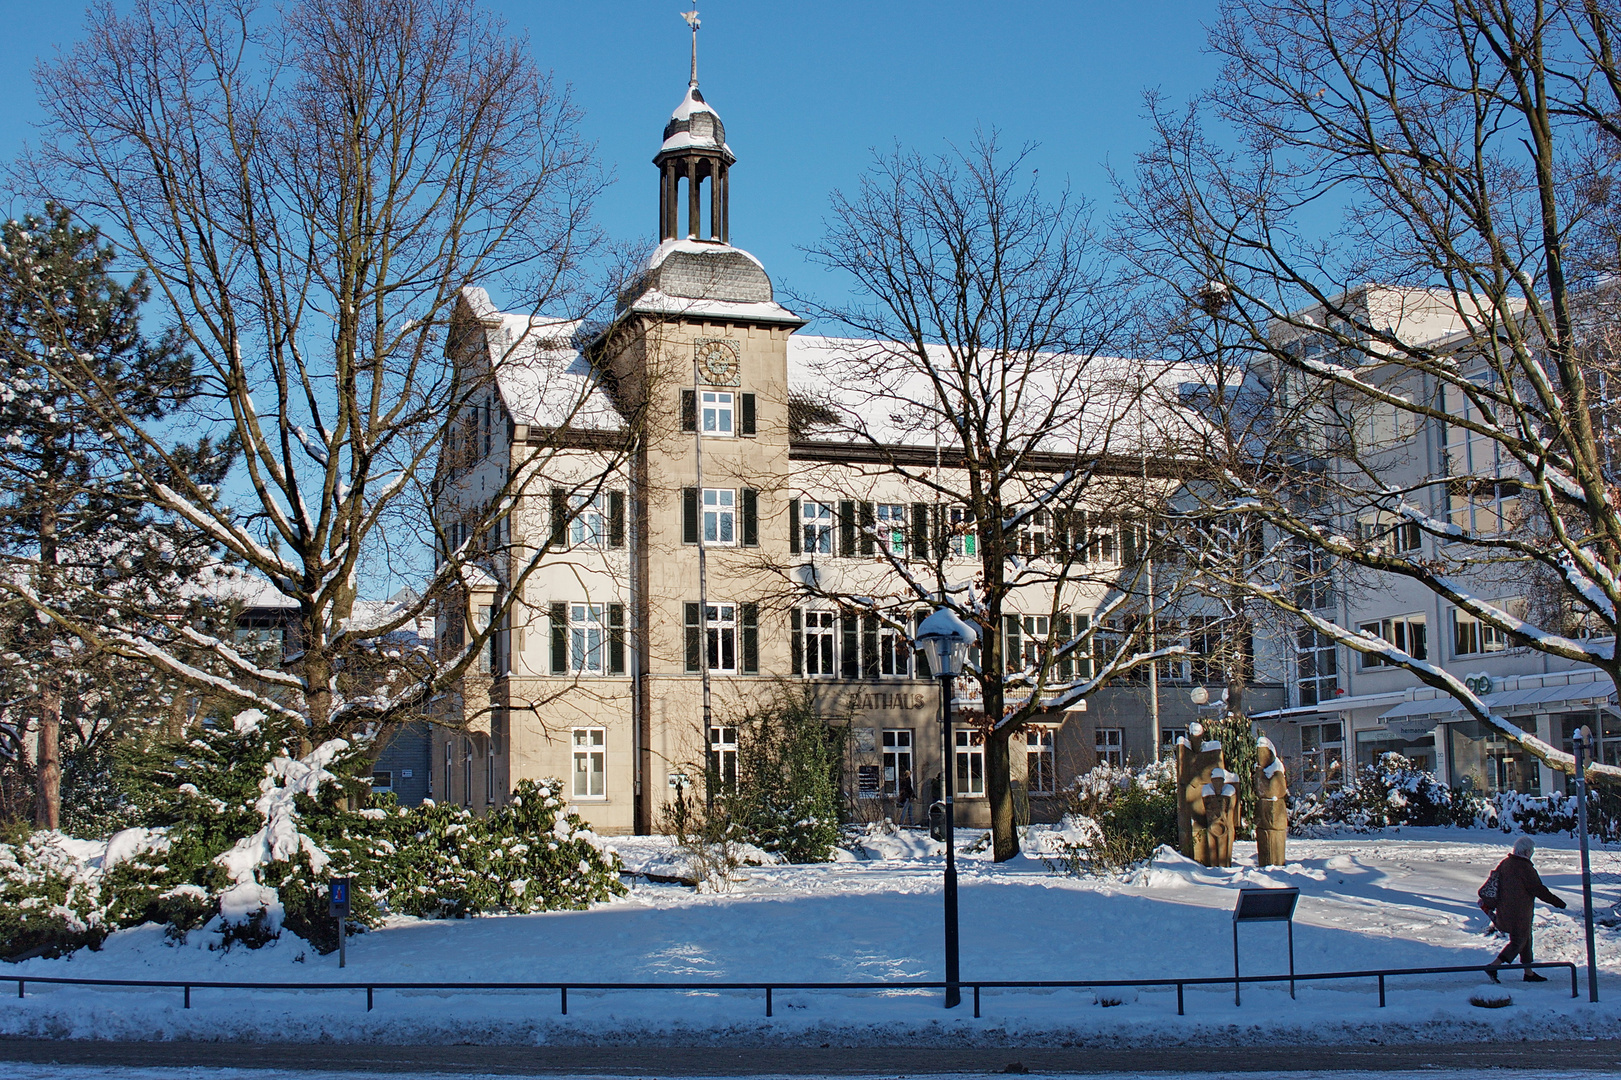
(1265,905)
(337,895)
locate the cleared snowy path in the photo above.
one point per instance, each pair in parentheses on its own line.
(1391,901)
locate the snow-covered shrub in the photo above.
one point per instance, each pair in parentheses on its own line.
(443,862)
(1393,791)
(1130,813)
(50,903)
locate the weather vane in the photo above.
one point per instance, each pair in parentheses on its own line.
(692,21)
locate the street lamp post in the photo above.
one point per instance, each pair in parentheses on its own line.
(945,640)
(1581,741)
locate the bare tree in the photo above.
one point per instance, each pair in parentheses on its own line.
(308,191)
(1469,147)
(982,334)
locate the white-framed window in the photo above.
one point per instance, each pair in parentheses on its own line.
(723,755)
(590,525)
(894,653)
(1470,636)
(816,526)
(450,764)
(964,536)
(821,644)
(1040,767)
(382,781)
(1317,667)
(590,763)
(720,634)
(1034,639)
(970,757)
(1483,507)
(897,760)
(720,516)
(1032,539)
(1109,743)
(718,407)
(588,637)
(1168,737)
(1322,753)
(1405,632)
(892,528)
(467,772)
(1314,583)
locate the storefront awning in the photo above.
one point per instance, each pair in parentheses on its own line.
(1592,691)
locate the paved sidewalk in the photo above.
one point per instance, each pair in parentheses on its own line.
(541,1061)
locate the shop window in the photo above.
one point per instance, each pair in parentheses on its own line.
(1372,745)
(1406,632)
(970,757)
(1322,753)
(897,760)
(1110,745)
(1481,760)
(1040,767)
(590,762)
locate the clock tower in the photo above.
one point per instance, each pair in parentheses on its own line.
(699,352)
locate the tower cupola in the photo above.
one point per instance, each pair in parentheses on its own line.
(694,153)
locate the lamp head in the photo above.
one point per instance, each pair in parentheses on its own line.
(945,639)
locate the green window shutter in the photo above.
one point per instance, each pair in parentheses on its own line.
(847,527)
(616,639)
(796,641)
(869,518)
(1128,544)
(1083,654)
(616,519)
(749,617)
(1066,630)
(920,530)
(1012,643)
(695,637)
(849,656)
(793,526)
(689,410)
(559,538)
(941,540)
(923,669)
(869,646)
(746,421)
(559,619)
(1058,542)
(689,515)
(751,518)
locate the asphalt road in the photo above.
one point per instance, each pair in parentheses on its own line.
(1603,1056)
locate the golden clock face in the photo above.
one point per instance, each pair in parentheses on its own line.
(717,362)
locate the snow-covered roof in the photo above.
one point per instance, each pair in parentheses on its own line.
(1095,405)
(705,279)
(695,124)
(543,378)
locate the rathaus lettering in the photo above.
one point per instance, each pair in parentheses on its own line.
(861,699)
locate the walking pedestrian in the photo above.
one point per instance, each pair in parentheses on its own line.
(904,794)
(1519,886)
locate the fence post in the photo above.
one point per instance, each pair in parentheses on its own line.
(1573,991)
(976,1001)
(1179,999)
(563,991)
(1381,991)
(768,1001)
(188,997)
(368,999)
(20,984)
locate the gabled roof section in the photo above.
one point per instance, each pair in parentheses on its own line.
(1091,406)
(544,379)
(704,279)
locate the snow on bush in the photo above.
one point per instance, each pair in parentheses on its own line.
(1391,792)
(1116,819)
(243,834)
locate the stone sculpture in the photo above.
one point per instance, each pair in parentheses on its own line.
(1271,804)
(1213,837)
(1194,767)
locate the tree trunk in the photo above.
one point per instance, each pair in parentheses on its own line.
(48,763)
(999,789)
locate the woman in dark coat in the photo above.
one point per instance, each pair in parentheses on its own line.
(1518,887)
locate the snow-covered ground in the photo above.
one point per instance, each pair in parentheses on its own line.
(1394,900)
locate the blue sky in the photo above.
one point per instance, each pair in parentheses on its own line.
(807,90)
